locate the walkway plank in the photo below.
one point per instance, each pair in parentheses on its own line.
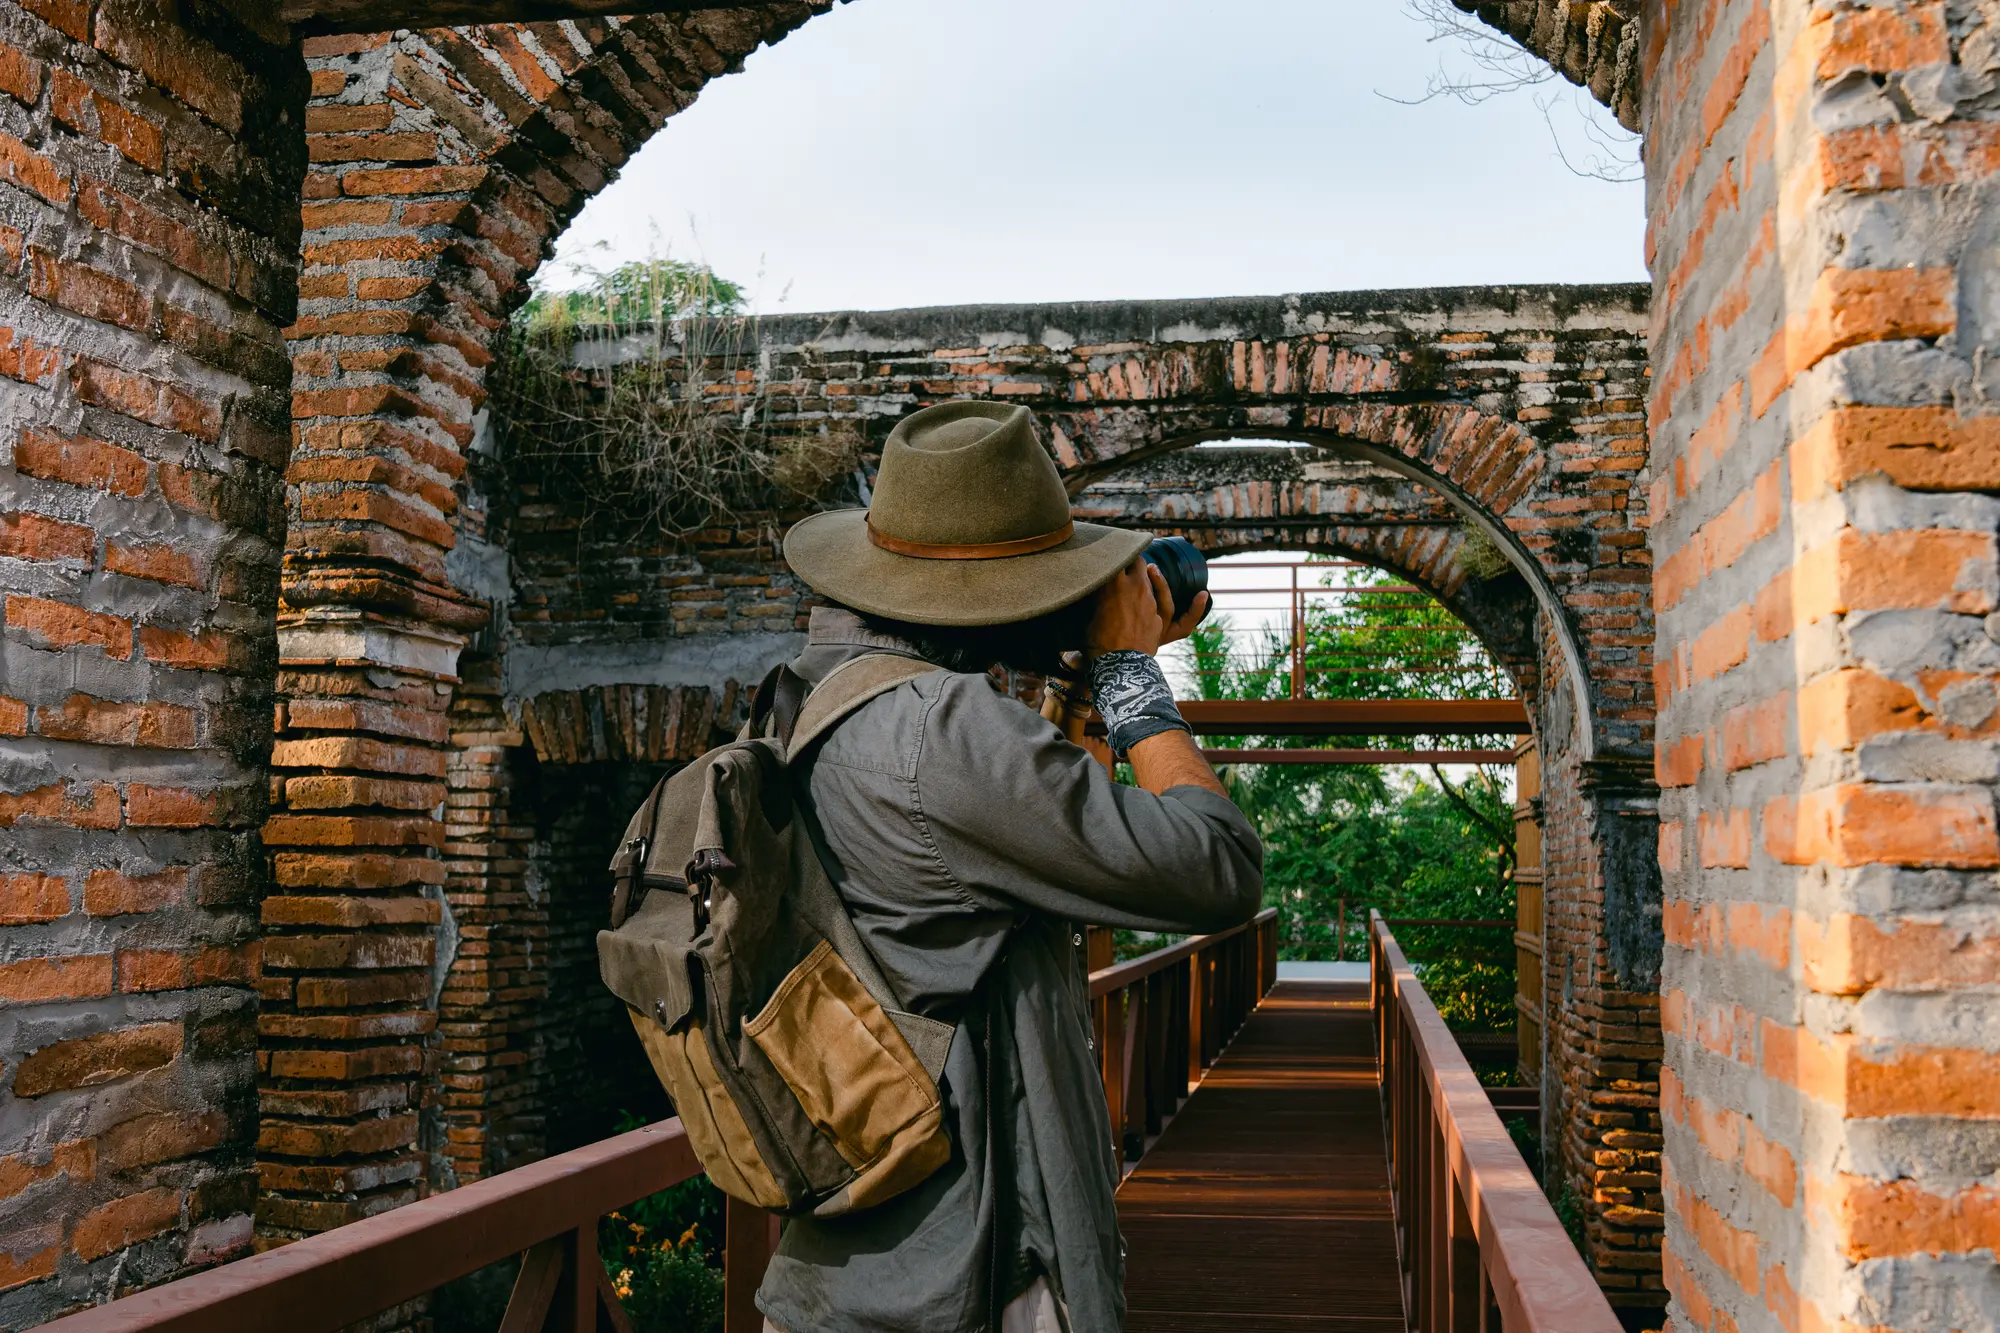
(1265,1204)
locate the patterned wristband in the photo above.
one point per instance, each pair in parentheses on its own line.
(1133,698)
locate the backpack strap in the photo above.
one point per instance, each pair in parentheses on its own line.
(847,687)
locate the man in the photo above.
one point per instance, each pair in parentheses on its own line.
(970,841)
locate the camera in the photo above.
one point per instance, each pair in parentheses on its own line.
(1184,567)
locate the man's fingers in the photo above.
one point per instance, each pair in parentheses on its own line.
(1163,596)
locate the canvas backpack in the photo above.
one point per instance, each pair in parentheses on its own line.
(802,1086)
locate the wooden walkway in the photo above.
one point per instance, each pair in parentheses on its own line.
(1265,1204)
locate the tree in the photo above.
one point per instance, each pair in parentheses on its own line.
(1408,841)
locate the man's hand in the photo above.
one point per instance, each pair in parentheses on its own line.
(1135,612)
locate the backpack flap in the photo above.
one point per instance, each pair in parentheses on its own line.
(645,961)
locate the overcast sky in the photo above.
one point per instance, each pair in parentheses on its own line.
(929,152)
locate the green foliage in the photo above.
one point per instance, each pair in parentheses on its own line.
(644,293)
(637,401)
(670,1289)
(664,1255)
(1406,841)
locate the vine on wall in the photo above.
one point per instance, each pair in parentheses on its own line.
(642,400)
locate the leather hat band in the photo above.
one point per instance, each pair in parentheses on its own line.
(978,551)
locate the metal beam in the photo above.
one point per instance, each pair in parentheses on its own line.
(1333,756)
(1355,717)
(327,16)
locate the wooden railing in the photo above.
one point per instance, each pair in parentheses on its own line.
(547,1213)
(1481,1248)
(1161,1021)
(1162,1018)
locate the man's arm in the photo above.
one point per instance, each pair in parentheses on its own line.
(1172,759)
(1135,613)
(1016,811)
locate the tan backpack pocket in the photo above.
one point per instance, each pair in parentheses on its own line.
(856,1077)
(714,1123)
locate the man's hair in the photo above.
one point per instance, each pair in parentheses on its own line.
(1035,645)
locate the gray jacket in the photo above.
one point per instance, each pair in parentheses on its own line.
(968,839)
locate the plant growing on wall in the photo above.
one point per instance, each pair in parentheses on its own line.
(640,398)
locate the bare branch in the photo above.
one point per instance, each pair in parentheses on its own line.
(1499,65)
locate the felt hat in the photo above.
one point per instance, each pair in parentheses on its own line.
(970,525)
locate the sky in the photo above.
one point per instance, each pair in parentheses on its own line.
(901,153)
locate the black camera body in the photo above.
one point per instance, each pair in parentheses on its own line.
(1184,567)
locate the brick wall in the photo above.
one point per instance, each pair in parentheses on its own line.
(1820,197)
(148,246)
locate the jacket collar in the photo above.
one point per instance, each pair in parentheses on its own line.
(835,635)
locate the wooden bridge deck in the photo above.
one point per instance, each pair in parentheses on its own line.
(1265,1204)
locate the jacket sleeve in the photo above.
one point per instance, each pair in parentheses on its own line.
(1019,814)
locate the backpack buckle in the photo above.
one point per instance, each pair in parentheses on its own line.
(707,864)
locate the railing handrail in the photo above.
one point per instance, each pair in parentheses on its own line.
(1120,975)
(314,1286)
(1539,1281)
(1464,922)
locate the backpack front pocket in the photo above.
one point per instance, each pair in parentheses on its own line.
(856,1078)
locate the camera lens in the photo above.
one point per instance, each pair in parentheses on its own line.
(1184,566)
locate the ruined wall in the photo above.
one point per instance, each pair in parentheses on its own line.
(149,177)
(1822,208)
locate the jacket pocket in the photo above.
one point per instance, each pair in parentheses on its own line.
(856,1077)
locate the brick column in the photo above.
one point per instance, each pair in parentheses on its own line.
(148,252)
(491,1100)
(1821,205)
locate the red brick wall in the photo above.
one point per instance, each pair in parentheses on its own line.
(148,246)
(1820,197)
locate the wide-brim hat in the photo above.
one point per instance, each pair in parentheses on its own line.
(969,525)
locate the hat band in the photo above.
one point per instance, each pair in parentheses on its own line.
(975,551)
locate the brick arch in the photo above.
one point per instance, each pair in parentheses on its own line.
(444,164)
(1406,529)
(1475,469)
(1592,43)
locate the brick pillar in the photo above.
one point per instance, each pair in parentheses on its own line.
(444,163)
(490,1091)
(1821,221)
(148,251)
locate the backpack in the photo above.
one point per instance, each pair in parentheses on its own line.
(802,1086)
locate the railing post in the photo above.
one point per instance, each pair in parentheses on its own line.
(1466,1289)
(1160,1025)
(1111,1067)
(1197,1007)
(1132,1141)
(750,1237)
(1211,1009)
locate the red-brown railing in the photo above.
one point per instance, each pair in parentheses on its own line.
(1162,1020)
(547,1213)
(1164,1017)
(1481,1247)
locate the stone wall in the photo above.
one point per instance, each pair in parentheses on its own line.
(1821,207)
(149,228)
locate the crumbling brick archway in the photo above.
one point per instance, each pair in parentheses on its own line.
(1821,460)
